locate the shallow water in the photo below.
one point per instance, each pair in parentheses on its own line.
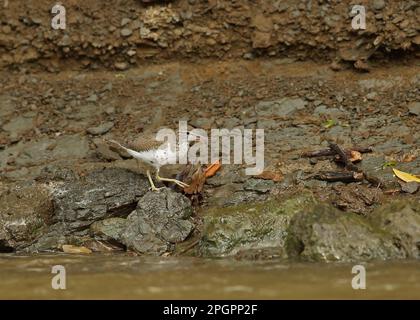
(127,277)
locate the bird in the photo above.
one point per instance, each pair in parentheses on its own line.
(156,154)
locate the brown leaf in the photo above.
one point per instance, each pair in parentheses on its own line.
(212,169)
(195,177)
(355,156)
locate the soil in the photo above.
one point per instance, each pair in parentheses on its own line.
(296,70)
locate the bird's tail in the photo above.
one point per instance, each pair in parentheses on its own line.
(115,144)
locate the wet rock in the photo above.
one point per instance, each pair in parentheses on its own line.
(101,129)
(263,225)
(402,220)
(326,234)
(25,211)
(108,229)
(101,194)
(282,107)
(160,220)
(258,185)
(410,187)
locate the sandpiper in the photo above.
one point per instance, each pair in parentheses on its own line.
(154,153)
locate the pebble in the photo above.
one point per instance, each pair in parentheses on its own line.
(101,129)
(121,65)
(92,98)
(126,32)
(378,4)
(410,187)
(414,108)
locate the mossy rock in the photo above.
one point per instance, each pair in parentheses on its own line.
(230,230)
(326,234)
(402,220)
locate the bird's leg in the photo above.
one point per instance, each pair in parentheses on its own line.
(152,185)
(179,183)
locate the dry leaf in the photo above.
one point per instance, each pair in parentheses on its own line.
(68,248)
(408,158)
(197,180)
(212,169)
(407,177)
(271,175)
(355,156)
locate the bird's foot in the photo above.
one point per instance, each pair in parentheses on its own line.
(177,182)
(156,189)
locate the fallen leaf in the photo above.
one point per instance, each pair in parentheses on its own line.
(355,156)
(271,175)
(408,158)
(211,170)
(68,248)
(404,176)
(195,179)
(329,123)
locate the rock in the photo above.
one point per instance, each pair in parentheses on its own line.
(108,229)
(104,152)
(101,129)
(327,234)
(121,66)
(19,125)
(282,107)
(101,194)
(231,230)
(126,32)
(414,108)
(410,187)
(402,220)
(92,98)
(25,212)
(378,4)
(258,185)
(160,220)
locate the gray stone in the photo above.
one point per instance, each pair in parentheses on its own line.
(325,234)
(19,125)
(92,98)
(410,187)
(261,225)
(160,221)
(378,4)
(25,211)
(258,185)
(108,229)
(126,32)
(414,108)
(402,220)
(101,129)
(101,194)
(282,107)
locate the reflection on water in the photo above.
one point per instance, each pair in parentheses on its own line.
(127,277)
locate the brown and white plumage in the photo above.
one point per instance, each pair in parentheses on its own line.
(153,152)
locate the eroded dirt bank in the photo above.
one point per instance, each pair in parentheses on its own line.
(123,33)
(61,184)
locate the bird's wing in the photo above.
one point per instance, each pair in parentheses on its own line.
(142,144)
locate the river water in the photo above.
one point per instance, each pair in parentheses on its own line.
(127,277)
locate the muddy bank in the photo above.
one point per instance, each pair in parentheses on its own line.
(121,34)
